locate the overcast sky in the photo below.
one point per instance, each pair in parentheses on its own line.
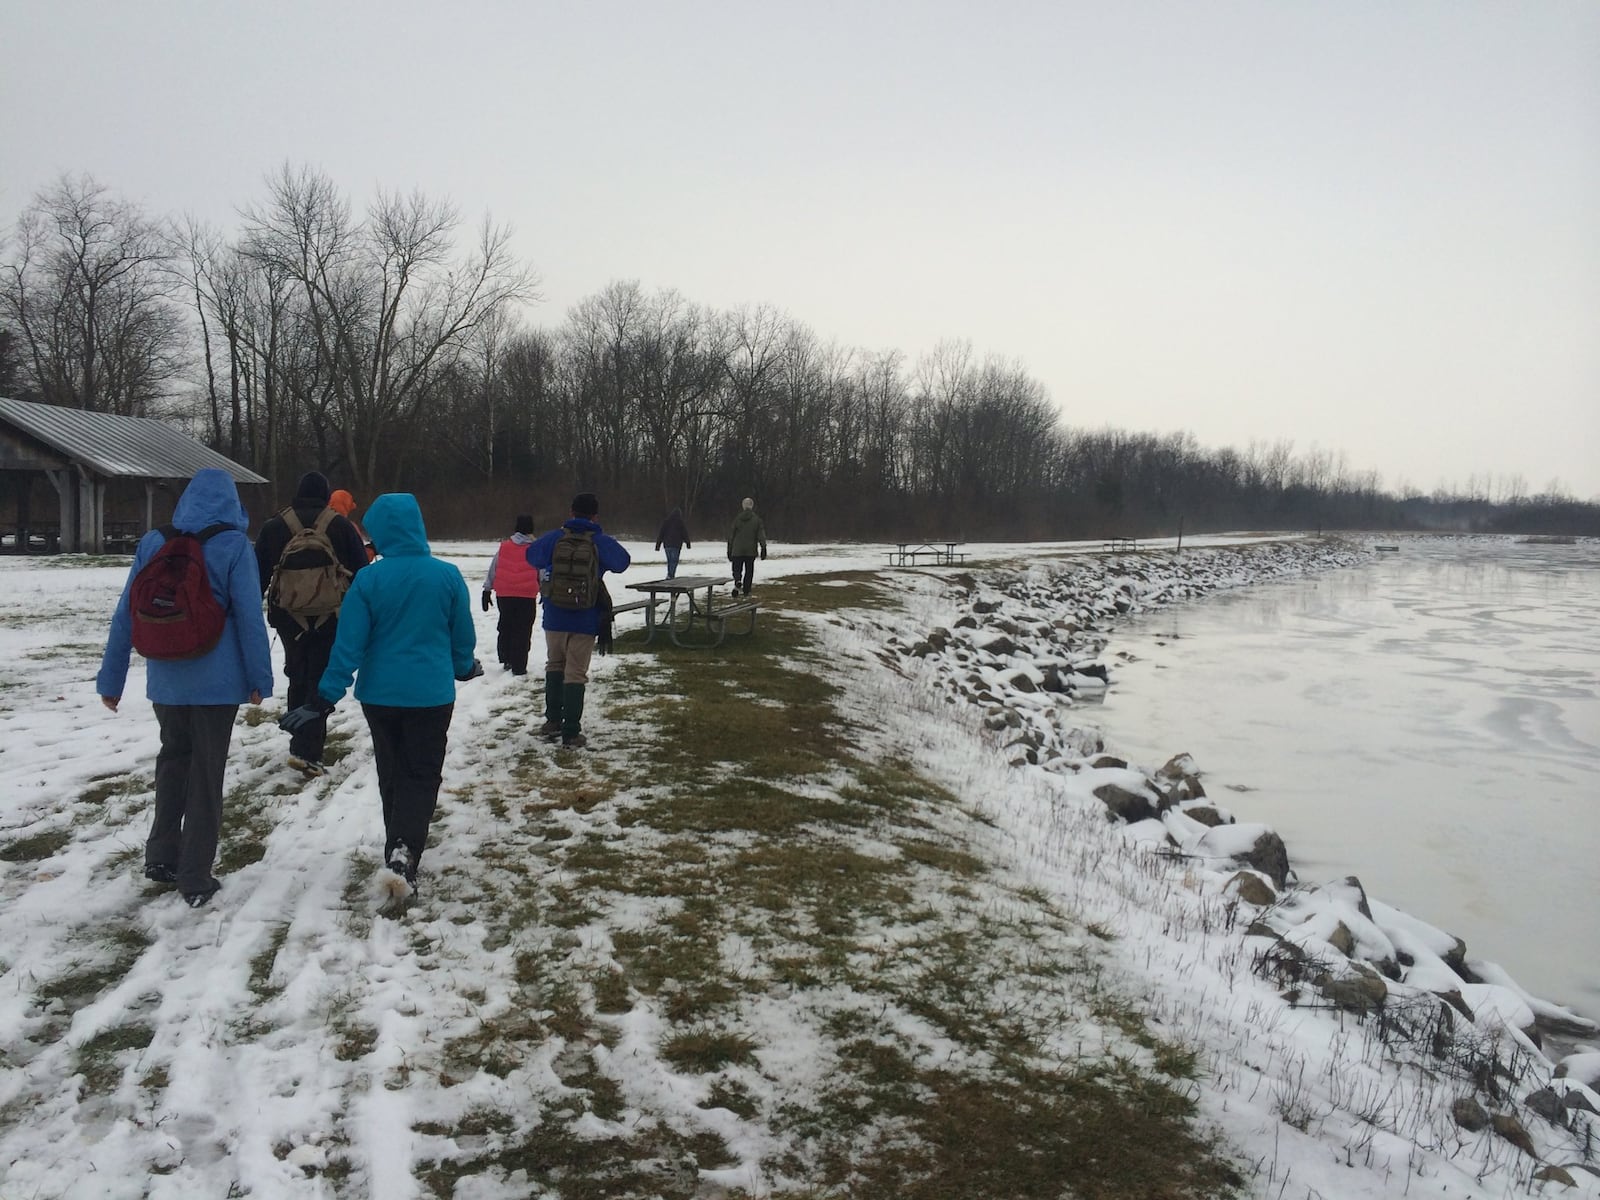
(1369,226)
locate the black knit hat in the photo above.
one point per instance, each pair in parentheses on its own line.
(313,485)
(524,523)
(585,504)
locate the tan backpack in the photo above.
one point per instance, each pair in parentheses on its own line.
(309,581)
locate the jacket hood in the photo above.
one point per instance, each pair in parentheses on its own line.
(394,524)
(212,498)
(581,525)
(745,516)
(342,502)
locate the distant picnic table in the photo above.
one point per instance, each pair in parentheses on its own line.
(906,554)
(1122,543)
(686,611)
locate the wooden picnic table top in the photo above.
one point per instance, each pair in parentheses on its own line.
(682,583)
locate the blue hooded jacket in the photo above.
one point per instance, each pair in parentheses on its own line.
(241,662)
(405,630)
(612,558)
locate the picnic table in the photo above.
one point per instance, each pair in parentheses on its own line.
(905,553)
(686,609)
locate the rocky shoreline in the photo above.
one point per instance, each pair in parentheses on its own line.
(1025,643)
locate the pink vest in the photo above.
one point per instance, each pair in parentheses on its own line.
(512,574)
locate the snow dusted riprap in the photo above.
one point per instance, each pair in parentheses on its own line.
(1377,1027)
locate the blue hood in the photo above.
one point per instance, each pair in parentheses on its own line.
(394,524)
(212,498)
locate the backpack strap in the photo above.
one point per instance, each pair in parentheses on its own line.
(292,520)
(324,519)
(168,532)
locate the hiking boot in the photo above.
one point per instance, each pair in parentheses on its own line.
(550,730)
(401,862)
(574,741)
(309,767)
(202,898)
(161,873)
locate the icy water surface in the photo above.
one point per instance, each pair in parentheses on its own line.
(1430,723)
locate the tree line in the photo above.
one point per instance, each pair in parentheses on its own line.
(389,348)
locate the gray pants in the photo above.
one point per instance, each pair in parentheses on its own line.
(188,817)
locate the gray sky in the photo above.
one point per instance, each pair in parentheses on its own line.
(1369,225)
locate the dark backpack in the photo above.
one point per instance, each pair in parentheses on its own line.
(574,571)
(309,581)
(175,612)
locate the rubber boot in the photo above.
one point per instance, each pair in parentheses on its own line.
(554,694)
(572,714)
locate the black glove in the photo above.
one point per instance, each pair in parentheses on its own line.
(603,640)
(763,554)
(473,672)
(307,714)
(488,602)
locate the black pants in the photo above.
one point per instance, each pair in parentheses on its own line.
(409,745)
(516,630)
(305,658)
(744,573)
(188,809)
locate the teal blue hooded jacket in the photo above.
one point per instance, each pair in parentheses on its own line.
(405,629)
(241,662)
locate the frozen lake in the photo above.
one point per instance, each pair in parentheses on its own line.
(1430,723)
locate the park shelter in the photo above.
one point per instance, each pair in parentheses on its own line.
(81,453)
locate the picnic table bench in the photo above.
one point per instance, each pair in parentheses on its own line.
(686,610)
(906,554)
(1122,543)
(122,537)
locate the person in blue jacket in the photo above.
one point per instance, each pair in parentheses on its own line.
(406,638)
(196,699)
(569,634)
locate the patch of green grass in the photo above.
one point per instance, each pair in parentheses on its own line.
(705,1049)
(37,847)
(844,589)
(110,958)
(262,962)
(98,1058)
(104,787)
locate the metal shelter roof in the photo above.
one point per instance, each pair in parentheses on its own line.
(134,447)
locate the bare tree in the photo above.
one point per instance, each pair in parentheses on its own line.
(85,287)
(390,304)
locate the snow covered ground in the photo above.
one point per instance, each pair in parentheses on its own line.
(287,1041)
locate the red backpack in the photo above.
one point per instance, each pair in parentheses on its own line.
(175,613)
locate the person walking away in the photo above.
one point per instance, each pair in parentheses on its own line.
(210,580)
(674,535)
(570,562)
(747,536)
(516,586)
(406,639)
(343,503)
(307,554)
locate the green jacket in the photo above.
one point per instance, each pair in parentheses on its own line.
(747,534)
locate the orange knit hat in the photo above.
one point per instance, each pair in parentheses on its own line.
(342,502)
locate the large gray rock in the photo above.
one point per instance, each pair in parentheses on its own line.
(1469,1114)
(1125,805)
(1000,647)
(1359,991)
(1206,815)
(1252,889)
(1514,1132)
